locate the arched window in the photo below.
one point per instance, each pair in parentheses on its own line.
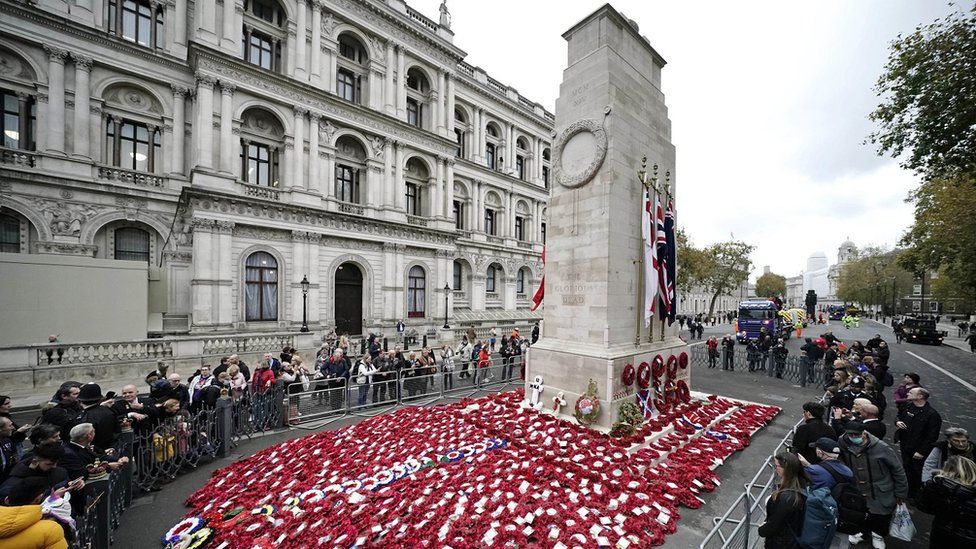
(520,282)
(9,234)
(261,138)
(351,68)
(17,120)
(263,34)
(490,278)
(349,169)
(491,146)
(261,287)
(418,88)
(138,21)
(521,149)
(458,276)
(417,178)
(460,133)
(133,145)
(132,244)
(416,292)
(545,167)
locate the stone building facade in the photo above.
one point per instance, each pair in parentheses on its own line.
(237,147)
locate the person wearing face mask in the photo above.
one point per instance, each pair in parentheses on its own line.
(880,479)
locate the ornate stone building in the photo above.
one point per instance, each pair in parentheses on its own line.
(237,147)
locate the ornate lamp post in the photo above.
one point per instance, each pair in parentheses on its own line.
(447,291)
(305,284)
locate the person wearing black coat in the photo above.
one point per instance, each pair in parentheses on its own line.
(43,464)
(785,507)
(64,413)
(812,429)
(951,497)
(919,426)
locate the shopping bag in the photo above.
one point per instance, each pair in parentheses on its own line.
(305,382)
(902,526)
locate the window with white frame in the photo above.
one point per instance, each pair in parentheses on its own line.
(352,68)
(18,120)
(263,34)
(458,276)
(261,287)
(349,169)
(132,244)
(416,292)
(418,94)
(137,21)
(491,277)
(10,229)
(262,138)
(132,145)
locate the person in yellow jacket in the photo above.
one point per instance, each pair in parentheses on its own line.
(22,523)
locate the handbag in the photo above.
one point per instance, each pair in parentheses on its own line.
(902,526)
(306,384)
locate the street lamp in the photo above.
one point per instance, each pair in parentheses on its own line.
(447,292)
(305,284)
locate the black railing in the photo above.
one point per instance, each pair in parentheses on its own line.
(798,369)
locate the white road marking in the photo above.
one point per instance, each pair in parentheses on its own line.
(962,382)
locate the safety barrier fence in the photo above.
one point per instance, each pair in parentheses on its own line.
(738,527)
(798,369)
(159,452)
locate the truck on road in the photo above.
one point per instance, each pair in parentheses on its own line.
(754,315)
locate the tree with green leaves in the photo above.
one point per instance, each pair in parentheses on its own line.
(724,266)
(874,278)
(771,285)
(928,111)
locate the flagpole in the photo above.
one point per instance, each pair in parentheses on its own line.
(653,186)
(667,189)
(641,176)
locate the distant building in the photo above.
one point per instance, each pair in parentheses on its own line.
(819,276)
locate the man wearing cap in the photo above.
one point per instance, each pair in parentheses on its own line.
(813,428)
(880,479)
(827,451)
(102,418)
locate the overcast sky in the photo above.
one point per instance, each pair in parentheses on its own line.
(768,103)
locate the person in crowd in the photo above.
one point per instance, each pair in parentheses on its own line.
(43,433)
(134,408)
(484,361)
(235,360)
(493,337)
(899,330)
(365,370)
(728,353)
(80,455)
(64,413)
(854,390)
(918,428)
(8,450)
(173,387)
(23,524)
(97,411)
(880,479)
(811,356)
(780,354)
(199,382)
(837,385)
(238,384)
(373,347)
(812,430)
(950,495)
(336,371)
(447,366)
(462,352)
(535,333)
(909,382)
(971,339)
(381,379)
(43,464)
(273,363)
(285,355)
(824,473)
(20,432)
(883,352)
(956,443)
(786,505)
(753,355)
(711,347)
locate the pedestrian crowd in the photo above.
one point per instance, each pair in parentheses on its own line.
(849,477)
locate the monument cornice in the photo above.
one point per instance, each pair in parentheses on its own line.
(628,25)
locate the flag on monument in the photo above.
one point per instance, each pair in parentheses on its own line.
(671,261)
(662,257)
(650,259)
(541,292)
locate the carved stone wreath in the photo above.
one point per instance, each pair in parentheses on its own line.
(580,177)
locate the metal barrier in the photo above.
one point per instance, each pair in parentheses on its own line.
(738,526)
(792,368)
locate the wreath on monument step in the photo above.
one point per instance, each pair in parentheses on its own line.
(628,375)
(657,366)
(629,419)
(644,375)
(683,360)
(672,367)
(588,405)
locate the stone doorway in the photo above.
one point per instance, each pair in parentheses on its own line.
(349,299)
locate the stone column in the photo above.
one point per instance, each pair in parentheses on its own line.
(436,198)
(299,159)
(202,283)
(375,91)
(316,77)
(82,118)
(440,116)
(537,226)
(449,190)
(230,40)
(329,82)
(329,156)
(299,241)
(510,154)
(227,126)
(207,20)
(479,212)
(300,67)
(179,129)
(55,92)
(389,182)
(203,128)
(478,136)
(398,188)
(510,216)
(449,121)
(389,95)
(292,52)
(225,272)
(401,85)
(313,184)
(178,28)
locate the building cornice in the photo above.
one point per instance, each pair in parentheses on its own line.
(315,220)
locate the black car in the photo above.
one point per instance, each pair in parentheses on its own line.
(921,330)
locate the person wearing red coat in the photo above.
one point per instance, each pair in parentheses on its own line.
(712,346)
(262,399)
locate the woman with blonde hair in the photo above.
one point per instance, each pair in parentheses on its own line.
(237,381)
(951,497)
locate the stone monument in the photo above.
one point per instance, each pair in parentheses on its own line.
(610,113)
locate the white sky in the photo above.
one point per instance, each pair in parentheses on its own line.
(768,102)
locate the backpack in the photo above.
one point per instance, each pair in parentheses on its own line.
(819,520)
(852,506)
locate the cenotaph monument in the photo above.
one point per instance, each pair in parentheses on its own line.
(609,115)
